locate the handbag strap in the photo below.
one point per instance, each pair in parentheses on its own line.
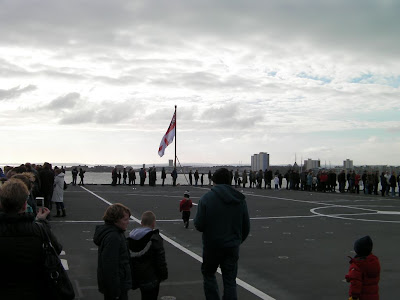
(45,238)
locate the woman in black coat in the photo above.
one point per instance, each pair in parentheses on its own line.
(22,273)
(392,182)
(383,183)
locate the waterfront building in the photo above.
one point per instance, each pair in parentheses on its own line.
(260,161)
(312,164)
(348,164)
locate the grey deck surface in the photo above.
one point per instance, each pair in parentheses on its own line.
(297,248)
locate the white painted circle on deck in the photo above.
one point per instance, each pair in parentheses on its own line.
(352,217)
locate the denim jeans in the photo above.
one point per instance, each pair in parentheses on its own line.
(227,260)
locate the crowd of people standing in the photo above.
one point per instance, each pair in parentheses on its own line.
(369,182)
(22,225)
(42,181)
(221,216)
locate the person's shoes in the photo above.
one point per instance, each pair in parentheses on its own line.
(58,214)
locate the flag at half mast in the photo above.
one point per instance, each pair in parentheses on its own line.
(168,137)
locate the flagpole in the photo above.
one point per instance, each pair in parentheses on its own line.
(175,137)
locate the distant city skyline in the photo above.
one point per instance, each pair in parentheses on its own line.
(69,164)
(98,83)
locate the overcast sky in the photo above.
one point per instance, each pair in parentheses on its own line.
(96,81)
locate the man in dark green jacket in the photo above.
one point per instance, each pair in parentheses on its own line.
(223,218)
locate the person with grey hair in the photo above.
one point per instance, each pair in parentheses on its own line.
(223,218)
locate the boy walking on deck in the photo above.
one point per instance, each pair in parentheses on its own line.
(184,206)
(148,263)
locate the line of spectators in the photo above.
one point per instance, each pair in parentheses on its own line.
(322,181)
(41,181)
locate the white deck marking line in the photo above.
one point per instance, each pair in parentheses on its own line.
(239,282)
(384,212)
(155,195)
(283,217)
(173,220)
(295,200)
(71,221)
(353,219)
(146,195)
(359,214)
(180,220)
(326,206)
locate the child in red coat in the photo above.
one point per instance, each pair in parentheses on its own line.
(364,272)
(184,206)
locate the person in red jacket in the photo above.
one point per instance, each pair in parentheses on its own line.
(364,272)
(323,180)
(184,206)
(357,183)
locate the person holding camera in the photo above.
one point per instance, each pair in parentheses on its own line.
(22,273)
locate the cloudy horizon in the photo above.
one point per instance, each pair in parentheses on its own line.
(96,82)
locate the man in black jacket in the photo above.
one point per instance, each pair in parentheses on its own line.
(148,264)
(46,175)
(342,181)
(223,218)
(22,273)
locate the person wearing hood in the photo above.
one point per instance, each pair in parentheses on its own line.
(148,263)
(223,218)
(364,271)
(58,192)
(113,271)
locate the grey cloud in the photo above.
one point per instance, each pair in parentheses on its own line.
(8,69)
(231,116)
(395,129)
(15,92)
(216,113)
(203,81)
(356,25)
(67,101)
(127,112)
(112,113)
(77,117)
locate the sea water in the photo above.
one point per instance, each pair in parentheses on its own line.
(105,178)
